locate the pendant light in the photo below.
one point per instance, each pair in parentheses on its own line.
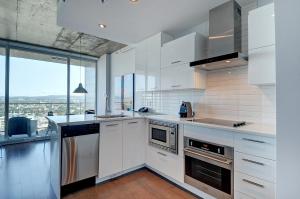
(80,88)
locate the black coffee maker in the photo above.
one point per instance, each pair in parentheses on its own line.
(186,110)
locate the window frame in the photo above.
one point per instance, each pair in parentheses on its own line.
(15,45)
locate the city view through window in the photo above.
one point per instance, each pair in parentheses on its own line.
(38,86)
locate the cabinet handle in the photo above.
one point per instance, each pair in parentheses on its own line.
(253,183)
(132,122)
(251,140)
(110,125)
(176,86)
(160,153)
(175,62)
(254,162)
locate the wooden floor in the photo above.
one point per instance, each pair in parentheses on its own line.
(142,184)
(24,171)
(25,174)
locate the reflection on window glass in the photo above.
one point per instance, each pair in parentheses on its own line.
(2,89)
(38,87)
(82,72)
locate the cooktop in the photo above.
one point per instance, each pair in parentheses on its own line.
(229,123)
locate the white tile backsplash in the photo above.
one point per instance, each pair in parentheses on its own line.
(228,95)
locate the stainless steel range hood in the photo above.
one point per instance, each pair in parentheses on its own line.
(225,38)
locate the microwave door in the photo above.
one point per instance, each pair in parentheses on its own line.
(160,135)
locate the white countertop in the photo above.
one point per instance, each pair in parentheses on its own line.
(251,128)
(63,120)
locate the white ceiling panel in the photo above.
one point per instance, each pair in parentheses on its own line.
(132,22)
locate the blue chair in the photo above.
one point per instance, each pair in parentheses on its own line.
(19,126)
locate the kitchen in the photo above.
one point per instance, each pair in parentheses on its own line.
(203,115)
(192,112)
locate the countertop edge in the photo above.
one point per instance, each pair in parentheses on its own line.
(245,129)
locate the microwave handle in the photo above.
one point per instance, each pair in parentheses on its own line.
(228,162)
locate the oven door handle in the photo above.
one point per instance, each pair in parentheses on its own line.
(227,161)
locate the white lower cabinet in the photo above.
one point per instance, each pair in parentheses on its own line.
(253,187)
(134,149)
(169,164)
(122,146)
(255,145)
(254,167)
(110,150)
(238,195)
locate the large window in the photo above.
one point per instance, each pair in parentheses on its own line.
(38,86)
(2,90)
(82,72)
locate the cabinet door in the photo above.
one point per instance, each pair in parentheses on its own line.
(262,66)
(253,187)
(110,154)
(133,143)
(179,51)
(153,63)
(182,77)
(261,27)
(140,66)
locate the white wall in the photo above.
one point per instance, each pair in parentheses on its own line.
(287,17)
(227,95)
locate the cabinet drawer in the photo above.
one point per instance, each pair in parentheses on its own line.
(238,195)
(255,145)
(255,166)
(253,187)
(166,163)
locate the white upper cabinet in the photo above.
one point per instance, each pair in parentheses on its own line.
(183,50)
(262,66)
(148,62)
(123,61)
(262,60)
(261,30)
(140,66)
(183,76)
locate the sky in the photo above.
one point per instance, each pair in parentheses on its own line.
(38,78)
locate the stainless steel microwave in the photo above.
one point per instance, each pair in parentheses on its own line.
(164,135)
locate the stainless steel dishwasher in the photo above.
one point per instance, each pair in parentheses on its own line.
(80,153)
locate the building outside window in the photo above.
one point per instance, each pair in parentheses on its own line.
(38,86)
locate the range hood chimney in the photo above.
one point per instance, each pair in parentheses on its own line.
(225,38)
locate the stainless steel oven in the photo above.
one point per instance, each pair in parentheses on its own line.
(164,135)
(209,167)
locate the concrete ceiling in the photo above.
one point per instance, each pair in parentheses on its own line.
(132,22)
(35,21)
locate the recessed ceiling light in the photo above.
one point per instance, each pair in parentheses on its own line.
(133,1)
(102,26)
(227,61)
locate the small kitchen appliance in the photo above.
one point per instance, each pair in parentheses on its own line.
(186,110)
(209,167)
(164,135)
